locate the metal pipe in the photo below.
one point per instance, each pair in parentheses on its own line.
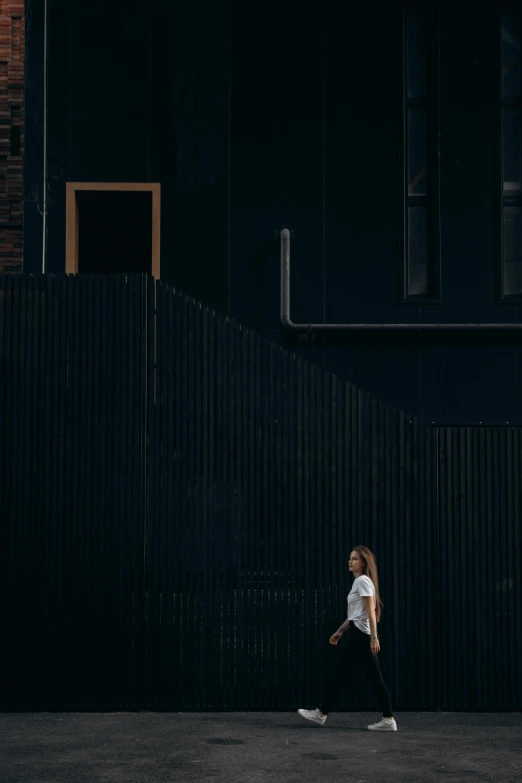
(393,328)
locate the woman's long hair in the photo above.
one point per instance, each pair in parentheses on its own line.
(370,570)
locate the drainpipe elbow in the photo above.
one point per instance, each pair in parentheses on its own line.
(287,322)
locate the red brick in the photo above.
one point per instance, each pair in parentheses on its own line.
(12,56)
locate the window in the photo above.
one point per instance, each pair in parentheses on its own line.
(511,156)
(421,255)
(113,228)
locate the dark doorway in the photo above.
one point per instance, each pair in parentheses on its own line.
(115,232)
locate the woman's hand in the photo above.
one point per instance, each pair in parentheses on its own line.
(334,638)
(375,646)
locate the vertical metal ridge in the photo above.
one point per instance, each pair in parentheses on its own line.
(83,635)
(468,570)
(317,532)
(283,524)
(244,568)
(250,695)
(25,542)
(168,666)
(197,481)
(7,551)
(292,460)
(94,645)
(125,362)
(148,694)
(218,511)
(178,399)
(307,614)
(241,519)
(102,328)
(516,620)
(337,559)
(73,423)
(61,537)
(264,574)
(275,530)
(133,570)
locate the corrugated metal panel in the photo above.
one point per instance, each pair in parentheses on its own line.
(73,430)
(179,540)
(480,568)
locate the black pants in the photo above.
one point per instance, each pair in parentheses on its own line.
(357,648)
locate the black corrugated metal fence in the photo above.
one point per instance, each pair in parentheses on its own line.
(179,498)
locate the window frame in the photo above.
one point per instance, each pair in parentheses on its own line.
(430,103)
(502,103)
(72,223)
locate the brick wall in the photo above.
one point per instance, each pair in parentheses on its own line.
(12,55)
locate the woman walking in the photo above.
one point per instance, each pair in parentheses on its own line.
(364,612)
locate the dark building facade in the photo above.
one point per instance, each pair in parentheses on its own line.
(182,477)
(388,142)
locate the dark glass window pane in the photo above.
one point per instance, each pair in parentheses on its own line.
(115,232)
(513,250)
(510,56)
(417,251)
(511,142)
(415,54)
(417,175)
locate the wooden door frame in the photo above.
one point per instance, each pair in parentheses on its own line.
(72,221)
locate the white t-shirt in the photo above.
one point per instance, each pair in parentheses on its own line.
(357,612)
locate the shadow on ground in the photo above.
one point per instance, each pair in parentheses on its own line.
(251,747)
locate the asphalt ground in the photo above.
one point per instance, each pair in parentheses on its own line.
(243,747)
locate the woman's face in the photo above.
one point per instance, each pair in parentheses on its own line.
(355,563)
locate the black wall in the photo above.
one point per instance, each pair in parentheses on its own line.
(253,120)
(177,525)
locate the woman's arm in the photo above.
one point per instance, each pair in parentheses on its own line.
(370,607)
(343,627)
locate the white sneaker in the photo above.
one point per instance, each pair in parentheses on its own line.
(313,715)
(384,725)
